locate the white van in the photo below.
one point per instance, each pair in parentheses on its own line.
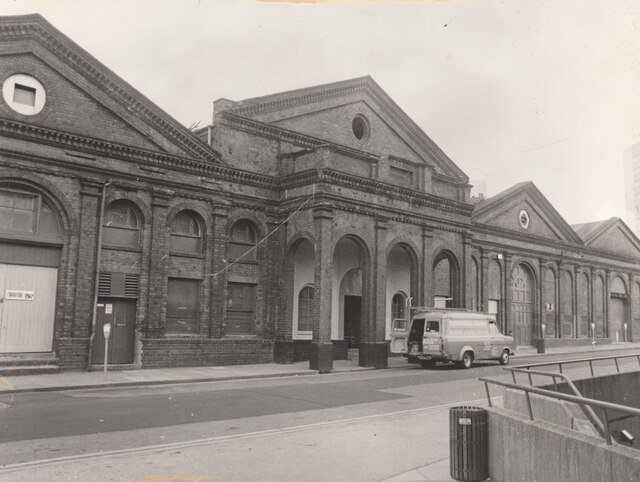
(456,335)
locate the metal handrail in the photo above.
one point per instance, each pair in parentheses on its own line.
(587,410)
(579,360)
(605,406)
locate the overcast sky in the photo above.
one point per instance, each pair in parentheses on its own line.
(547,91)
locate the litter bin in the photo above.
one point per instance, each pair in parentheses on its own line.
(468,443)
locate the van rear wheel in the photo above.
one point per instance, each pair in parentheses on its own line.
(467,360)
(504,358)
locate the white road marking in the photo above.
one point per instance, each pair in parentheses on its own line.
(225,438)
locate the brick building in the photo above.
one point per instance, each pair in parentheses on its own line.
(298,225)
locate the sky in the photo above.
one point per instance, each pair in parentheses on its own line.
(512,91)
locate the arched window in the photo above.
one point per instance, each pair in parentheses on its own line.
(243,241)
(398,307)
(186,233)
(121,225)
(25,213)
(305,308)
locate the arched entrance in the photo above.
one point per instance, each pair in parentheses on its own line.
(28,269)
(399,284)
(351,296)
(446,281)
(522,305)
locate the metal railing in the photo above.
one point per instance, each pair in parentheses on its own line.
(605,406)
(561,363)
(587,410)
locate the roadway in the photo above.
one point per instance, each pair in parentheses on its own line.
(357,425)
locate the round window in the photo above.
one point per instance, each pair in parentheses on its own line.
(360,127)
(524,219)
(24,94)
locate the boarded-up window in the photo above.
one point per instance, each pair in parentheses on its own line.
(442,279)
(242,242)
(183,306)
(121,225)
(186,233)
(305,308)
(550,302)
(240,309)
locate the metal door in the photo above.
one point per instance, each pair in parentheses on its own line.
(522,306)
(122,316)
(27,307)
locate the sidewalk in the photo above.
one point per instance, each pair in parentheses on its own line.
(164,376)
(437,470)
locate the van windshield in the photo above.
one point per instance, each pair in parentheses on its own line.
(432,327)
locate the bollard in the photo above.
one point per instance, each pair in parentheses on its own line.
(468,443)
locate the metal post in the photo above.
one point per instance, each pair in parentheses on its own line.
(529,405)
(486,387)
(591,367)
(606,426)
(617,367)
(106,330)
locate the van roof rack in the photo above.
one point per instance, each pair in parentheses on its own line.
(432,308)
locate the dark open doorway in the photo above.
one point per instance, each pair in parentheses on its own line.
(352,309)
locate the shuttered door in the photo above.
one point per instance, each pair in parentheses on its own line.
(616,319)
(28,295)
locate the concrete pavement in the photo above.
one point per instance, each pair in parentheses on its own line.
(436,469)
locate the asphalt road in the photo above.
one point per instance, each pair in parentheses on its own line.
(36,426)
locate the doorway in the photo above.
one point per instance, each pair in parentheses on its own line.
(122,316)
(352,310)
(522,306)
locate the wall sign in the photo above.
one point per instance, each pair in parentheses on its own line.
(19,295)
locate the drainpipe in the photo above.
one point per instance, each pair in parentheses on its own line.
(97,278)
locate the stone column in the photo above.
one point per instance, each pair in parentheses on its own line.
(607,295)
(85,272)
(465,283)
(506,296)
(374,351)
(158,259)
(484,280)
(574,301)
(632,311)
(321,353)
(220,214)
(427,267)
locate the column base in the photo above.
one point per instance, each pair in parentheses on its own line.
(321,357)
(374,355)
(283,351)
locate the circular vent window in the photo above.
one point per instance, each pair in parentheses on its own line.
(24,94)
(360,127)
(524,219)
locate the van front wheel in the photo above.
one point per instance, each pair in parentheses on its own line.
(467,359)
(504,358)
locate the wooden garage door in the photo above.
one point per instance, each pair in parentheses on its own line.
(27,307)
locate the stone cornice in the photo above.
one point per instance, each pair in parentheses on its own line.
(340,89)
(119,151)
(37,28)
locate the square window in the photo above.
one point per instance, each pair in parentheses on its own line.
(24,95)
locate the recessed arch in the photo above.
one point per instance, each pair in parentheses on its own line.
(446,280)
(523,302)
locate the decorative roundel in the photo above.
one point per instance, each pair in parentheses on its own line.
(24,94)
(523,217)
(360,127)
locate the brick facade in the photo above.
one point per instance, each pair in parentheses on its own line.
(294,167)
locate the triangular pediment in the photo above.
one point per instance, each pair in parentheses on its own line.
(328,111)
(612,235)
(523,209)
(83,97)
